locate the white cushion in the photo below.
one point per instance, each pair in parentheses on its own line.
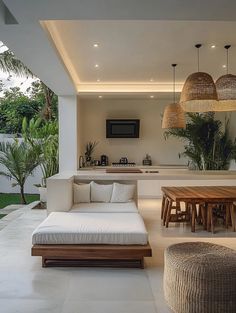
(91,228)
(96,207)
(100,193)
(122,193)
(81,193)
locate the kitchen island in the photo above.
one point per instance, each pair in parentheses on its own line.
(149,184)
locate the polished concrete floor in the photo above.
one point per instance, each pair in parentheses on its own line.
(25,287)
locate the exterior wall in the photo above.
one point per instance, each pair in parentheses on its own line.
(68,142)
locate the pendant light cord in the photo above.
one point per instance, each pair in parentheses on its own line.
(198,46)
(174,65)
(227,58)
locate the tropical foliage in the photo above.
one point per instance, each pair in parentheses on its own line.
(19,160)
(40,98)
(208,145)
(14,106)
(43,137)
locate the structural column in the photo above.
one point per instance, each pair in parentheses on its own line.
(68,132)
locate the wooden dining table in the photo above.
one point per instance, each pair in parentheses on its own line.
(203,194)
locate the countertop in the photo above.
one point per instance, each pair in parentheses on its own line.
(164,174)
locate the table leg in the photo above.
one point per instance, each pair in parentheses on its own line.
(194,211)
(232,215)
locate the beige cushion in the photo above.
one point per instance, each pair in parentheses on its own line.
(81,193)
(101,193)
(122,192)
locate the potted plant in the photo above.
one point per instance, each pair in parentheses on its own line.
(208,145)
(89,149)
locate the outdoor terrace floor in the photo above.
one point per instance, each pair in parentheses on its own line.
(27,287)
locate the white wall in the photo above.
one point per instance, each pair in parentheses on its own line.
(6,184)
(94,113)
(68,142)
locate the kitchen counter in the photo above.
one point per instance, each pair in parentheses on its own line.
(168,174)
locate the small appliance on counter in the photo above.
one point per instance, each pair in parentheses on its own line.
(104,160)
(123,162)
(147,161)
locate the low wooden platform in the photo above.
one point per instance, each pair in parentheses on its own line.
(92,255)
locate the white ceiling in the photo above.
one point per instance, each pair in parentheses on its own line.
(134,52)
(138,41)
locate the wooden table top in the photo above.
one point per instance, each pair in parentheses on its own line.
(197,193)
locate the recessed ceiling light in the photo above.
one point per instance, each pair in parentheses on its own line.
(98,80)
(151,96)
(96,65)
(213,46)
(151,80)
(99,97)
(224,65)
(95,45)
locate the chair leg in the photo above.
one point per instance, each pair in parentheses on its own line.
(170,202)
(202,211)
(210,222)
(163,206)
(194,214)
(165,211)
(227,215)
(232,211)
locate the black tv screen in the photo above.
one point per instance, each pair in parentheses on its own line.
(122,128)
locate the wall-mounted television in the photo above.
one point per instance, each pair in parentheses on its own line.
(122,128)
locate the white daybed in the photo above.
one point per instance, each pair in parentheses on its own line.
(93,234)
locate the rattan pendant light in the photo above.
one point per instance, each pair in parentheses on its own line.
(199,91)
(226,89)
(173,116)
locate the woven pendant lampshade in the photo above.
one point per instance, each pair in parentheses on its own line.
(226,90)
(199,92)
(173,116)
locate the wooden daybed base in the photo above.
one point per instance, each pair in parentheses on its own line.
(93,255)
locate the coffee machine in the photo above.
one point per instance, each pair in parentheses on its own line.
(104,160)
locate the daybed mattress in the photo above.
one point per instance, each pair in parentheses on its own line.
(102,207)
(91,228)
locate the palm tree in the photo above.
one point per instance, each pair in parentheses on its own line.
(10,64)
(19,161)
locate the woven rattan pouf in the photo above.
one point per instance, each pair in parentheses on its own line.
(200,277)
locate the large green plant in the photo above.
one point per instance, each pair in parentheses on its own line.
(208,145)
(19,161)
(44,136)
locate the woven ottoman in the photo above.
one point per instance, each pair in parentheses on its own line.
(200,277)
